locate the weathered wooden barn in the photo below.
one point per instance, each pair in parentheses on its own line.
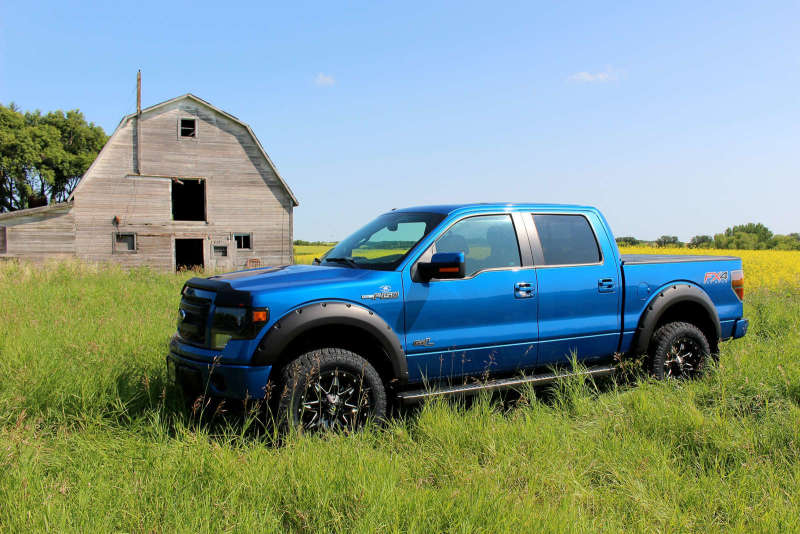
(181,183)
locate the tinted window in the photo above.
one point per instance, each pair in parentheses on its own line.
(488,242)
(566,239)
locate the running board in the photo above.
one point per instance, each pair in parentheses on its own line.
(408,397)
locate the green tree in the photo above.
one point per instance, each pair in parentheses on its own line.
(668,241)
(701,241)
(627,241)
(42,157)
(786,242)
(750,236)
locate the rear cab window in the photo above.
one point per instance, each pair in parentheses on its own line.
(567,239)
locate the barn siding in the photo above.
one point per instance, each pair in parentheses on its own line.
(41,236)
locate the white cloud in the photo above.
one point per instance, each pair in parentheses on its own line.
(603,76)
(324,80)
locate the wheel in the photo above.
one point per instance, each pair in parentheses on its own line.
(330,389)
(679,350)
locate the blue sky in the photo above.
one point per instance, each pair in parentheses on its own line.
(679,118)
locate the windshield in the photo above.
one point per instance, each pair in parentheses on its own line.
(383,243)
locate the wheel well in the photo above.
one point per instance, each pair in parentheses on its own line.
(347,337)
(693,313)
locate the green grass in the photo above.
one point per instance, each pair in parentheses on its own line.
(90,439)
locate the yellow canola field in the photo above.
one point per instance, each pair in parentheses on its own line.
(771,269)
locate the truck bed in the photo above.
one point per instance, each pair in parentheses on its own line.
(645,275)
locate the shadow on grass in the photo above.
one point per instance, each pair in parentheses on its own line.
(149,399)
(144,397)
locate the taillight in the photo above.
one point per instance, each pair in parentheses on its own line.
(737,283)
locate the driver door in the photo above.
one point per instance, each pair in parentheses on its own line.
(485,322)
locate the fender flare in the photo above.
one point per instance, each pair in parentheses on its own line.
(300,320)
(665,298)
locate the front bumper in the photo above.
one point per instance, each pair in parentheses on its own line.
(218,379)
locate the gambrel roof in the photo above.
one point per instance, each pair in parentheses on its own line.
(190,96)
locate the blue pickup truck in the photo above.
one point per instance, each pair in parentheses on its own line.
(439,300)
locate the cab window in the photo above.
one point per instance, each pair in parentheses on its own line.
(487,241)
(567,239)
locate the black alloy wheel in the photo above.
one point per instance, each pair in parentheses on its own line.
(337,399)
(683,359)
(679,350)
(330,389)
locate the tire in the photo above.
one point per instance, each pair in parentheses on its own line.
(330,389)
(679,350)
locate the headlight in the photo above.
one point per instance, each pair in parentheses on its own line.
(236,323)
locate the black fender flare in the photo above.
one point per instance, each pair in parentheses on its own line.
(300,320)
(662,301)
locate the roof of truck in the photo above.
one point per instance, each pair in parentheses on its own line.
(481,206)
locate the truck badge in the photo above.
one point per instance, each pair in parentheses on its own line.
(716,278)
(384,293)
(423,342)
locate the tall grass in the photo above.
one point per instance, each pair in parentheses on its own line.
(91,439)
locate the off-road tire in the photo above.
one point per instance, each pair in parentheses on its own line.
(679,350)
(314,392)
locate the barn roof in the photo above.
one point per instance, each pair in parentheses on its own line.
(28,212)
(190,96)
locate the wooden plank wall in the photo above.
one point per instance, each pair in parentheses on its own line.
(42,236)
(242,192)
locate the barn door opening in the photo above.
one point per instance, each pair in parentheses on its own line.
(189,254)
(188,200)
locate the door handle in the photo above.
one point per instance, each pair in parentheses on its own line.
(605,285)
(523,290)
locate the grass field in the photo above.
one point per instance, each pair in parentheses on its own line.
(91,440)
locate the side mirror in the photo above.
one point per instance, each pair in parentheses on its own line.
(443,265)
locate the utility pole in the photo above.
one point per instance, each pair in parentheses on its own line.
(138,168)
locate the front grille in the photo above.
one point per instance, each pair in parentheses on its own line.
(192,320)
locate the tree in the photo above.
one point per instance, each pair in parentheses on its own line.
(627,241)
(668,241)
(701,241)
(750,236)
(42,157)
(786,242)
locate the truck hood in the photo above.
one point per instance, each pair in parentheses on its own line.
(310,282)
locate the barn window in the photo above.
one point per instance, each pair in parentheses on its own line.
(3,248)
(124,242)
(243,241)
(220,251)
(188,128)
(189,200)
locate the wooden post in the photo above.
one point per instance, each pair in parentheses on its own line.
(138,169)
(139,92)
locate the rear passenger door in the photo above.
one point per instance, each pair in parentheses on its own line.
(578,286)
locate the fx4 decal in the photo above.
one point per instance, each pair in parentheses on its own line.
(716,278)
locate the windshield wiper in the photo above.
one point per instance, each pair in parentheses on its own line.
(346,261)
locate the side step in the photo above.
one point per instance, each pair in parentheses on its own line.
(417,395)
